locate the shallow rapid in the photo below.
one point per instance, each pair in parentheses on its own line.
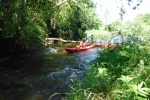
(39,74)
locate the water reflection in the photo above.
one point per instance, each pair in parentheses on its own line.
(38,74)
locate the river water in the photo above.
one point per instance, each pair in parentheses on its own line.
(38,74)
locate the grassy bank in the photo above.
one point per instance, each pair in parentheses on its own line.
(101,34)
(118,74)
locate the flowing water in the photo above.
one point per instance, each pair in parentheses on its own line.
(43,72)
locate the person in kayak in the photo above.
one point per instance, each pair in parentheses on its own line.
(82,42)
(90,39)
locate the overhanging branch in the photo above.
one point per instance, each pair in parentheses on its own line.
(59,4)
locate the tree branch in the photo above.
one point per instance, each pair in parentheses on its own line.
(59,4)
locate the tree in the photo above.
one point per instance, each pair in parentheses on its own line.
(134,3)
(143,20)
(122,13)
(74,18)
(147,18)
(113,27)
(24,24)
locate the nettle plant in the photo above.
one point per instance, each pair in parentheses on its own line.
(128,89)
(128,68)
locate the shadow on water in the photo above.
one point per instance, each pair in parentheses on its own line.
(41,73)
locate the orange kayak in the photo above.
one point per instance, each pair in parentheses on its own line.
(105,46)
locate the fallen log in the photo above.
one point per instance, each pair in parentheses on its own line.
(48,41)
(60,39)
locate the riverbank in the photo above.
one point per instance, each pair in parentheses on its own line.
(120,73)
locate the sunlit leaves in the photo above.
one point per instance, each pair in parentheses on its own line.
(121,73)
(26,22)
(74,17)
(113,27)
(139,89)
(125,79)
(102,72)
(133,91)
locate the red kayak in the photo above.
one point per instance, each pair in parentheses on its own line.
(77,49)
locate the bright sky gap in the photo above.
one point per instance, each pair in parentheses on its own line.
(109,10)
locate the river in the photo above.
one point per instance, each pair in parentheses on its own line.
(38,74)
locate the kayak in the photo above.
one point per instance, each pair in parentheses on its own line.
(100,45)
(104,46)
(77,49)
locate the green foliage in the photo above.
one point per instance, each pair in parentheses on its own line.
(147,18)
(129,89)
(113,27)
(74,18)
(143,18)
(24,24)
(139,26)
(95,84)
(119,74)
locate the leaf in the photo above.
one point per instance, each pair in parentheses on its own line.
(130,90)
(140,85)
(145,89)
(123,53)
(117,91)
(139,90)
(133,88)
(102,71)
(143,94)
(125,79)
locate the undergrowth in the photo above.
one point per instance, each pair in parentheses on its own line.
(117,74)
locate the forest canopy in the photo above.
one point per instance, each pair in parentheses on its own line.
(24,23)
